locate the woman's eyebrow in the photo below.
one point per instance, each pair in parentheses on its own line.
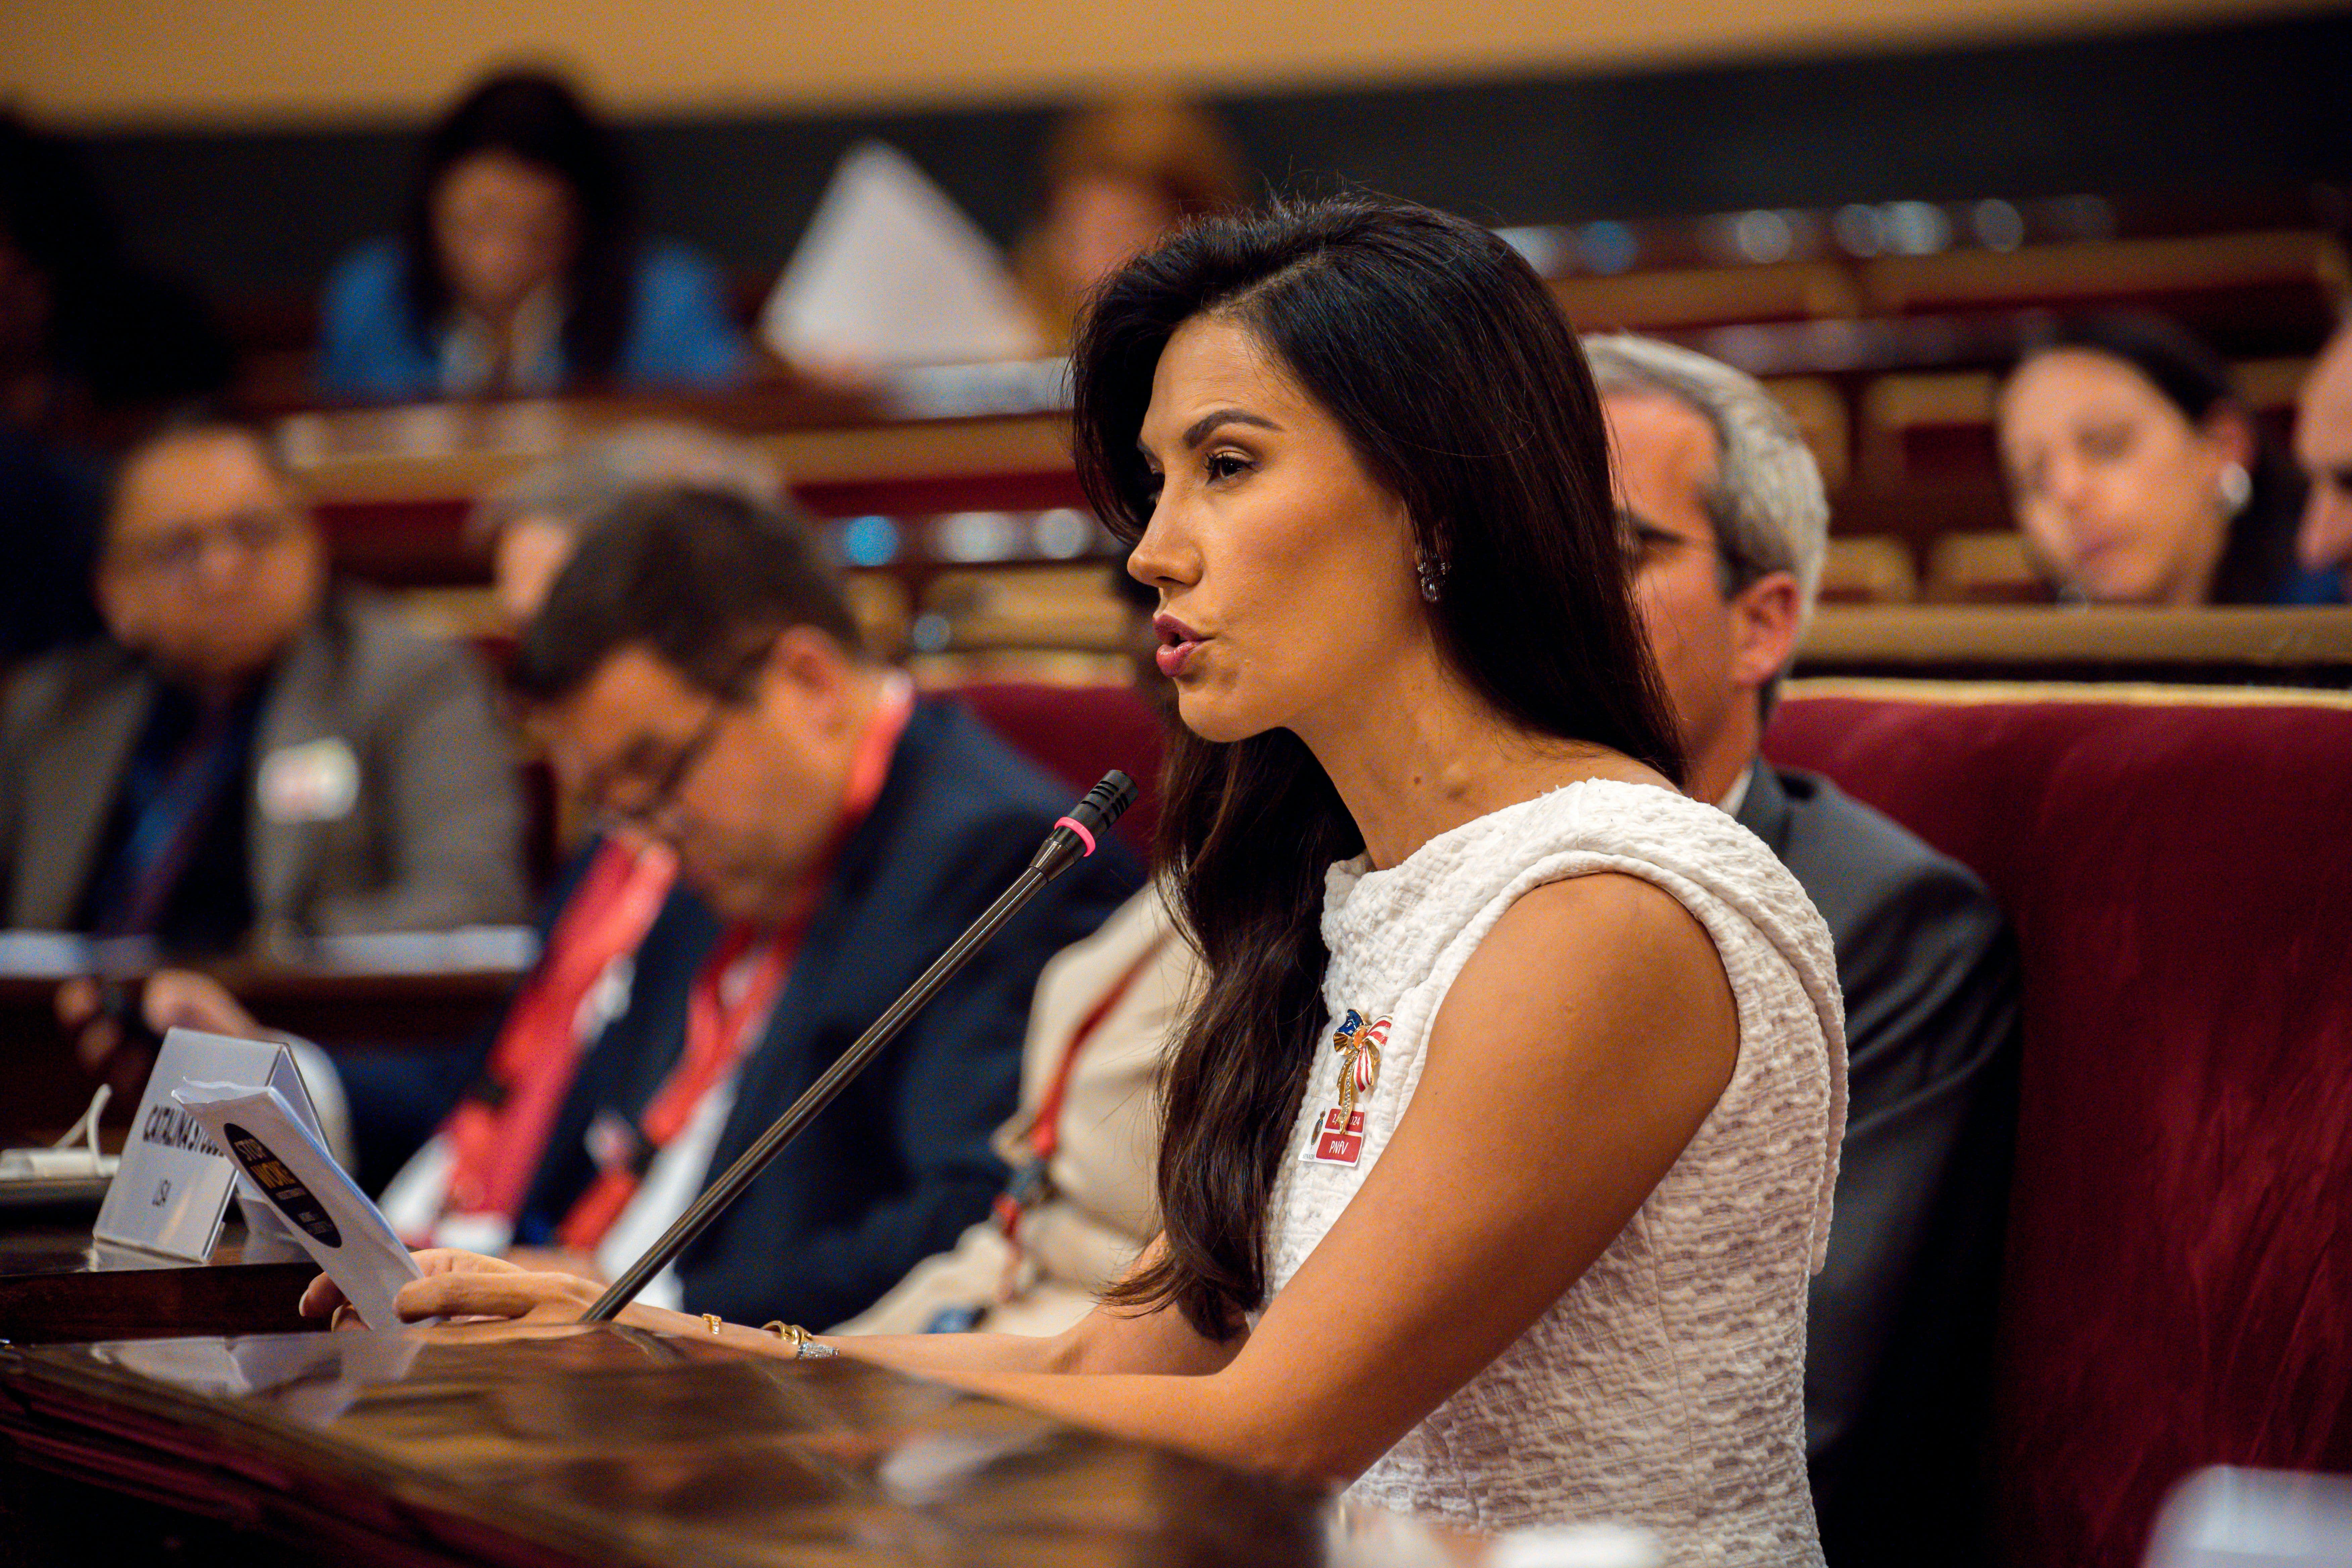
(1207,424)
(1199,430)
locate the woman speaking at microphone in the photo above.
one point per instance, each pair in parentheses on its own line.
(1498,1145)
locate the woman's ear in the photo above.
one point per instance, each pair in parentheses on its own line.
(2231,434)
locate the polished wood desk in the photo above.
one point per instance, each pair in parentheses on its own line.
(56,1284)
(585,1444)
(425,1009)
(2201,647)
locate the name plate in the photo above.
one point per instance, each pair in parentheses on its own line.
(171,1190)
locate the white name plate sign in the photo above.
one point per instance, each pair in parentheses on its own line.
(172,1188)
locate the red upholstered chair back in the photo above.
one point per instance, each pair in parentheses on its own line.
(1078,733)
(2178,867)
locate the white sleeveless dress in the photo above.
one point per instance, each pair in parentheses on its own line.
(1665,1389)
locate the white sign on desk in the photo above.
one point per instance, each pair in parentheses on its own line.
(173,1187)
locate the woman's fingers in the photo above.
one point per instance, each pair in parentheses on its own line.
(321,1298)
(77,1002)
(450,1260)
(483,1294)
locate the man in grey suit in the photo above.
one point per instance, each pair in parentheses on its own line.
(1725,527)
(251,756)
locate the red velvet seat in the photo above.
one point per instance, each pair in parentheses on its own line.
(2178,867)
(1078,733)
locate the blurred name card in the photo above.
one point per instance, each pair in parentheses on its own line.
(172,1188)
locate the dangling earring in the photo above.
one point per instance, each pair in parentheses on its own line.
(1430,571)
(2237,487)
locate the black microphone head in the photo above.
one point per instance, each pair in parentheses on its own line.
(1106,803)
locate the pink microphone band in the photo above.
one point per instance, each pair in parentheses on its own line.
(1074,826)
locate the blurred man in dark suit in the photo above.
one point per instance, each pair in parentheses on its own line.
(1726,526)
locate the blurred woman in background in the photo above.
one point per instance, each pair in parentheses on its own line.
(1116,177)
(519,270)
(2138,477)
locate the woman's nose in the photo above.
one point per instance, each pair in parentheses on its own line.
(2068,482)
(1163,556)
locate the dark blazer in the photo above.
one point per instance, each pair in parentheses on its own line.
(1899,1336)
(901,1164)
(429,839)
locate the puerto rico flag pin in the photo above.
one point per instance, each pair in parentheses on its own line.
(1339,1139)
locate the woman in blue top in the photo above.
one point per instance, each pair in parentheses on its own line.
(519,269)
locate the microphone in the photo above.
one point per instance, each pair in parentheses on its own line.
(1072,840)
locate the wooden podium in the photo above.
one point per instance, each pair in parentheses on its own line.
(582,1444)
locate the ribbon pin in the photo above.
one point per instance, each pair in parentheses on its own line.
(1358,1045)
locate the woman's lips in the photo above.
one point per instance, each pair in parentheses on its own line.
(1178,642)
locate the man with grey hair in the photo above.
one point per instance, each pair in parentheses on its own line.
(532,520)
(1726,525)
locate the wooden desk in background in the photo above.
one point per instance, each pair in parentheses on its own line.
(584,1446)
(339,1009)
(2311,647)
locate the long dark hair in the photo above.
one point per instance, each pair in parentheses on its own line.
(2258,553)
(1462,391)
(536,118)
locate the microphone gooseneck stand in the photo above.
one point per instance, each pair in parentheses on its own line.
(1072,840)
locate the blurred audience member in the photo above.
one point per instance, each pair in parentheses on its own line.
(92,347)
(533,520)
(521,269)
(699,676)
(482,1113)
(250,752)
(1726,525)
(1083,1147)
(2138,477)
(1116,177)
(2323,445)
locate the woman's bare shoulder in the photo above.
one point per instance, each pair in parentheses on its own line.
(1608,960)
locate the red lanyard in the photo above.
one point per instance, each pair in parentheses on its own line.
(1029,1184)
(1045,1131)
(495,1139)
(718,1029)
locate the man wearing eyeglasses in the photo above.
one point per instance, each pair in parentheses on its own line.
(703,687)
(252,755)
(1725,526)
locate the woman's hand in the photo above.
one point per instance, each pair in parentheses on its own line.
(467,1287)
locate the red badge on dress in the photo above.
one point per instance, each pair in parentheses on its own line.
(1340,1141)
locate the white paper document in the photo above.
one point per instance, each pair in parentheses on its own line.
(891,272)
(333,1219)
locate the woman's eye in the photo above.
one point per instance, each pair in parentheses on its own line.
(1224,466)
(2107,441)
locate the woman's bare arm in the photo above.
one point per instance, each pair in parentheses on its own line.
(1579,1051)
(1107,1339)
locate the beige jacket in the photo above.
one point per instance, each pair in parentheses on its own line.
(1102,1209)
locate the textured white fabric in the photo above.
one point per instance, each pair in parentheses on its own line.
(1665,1388)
